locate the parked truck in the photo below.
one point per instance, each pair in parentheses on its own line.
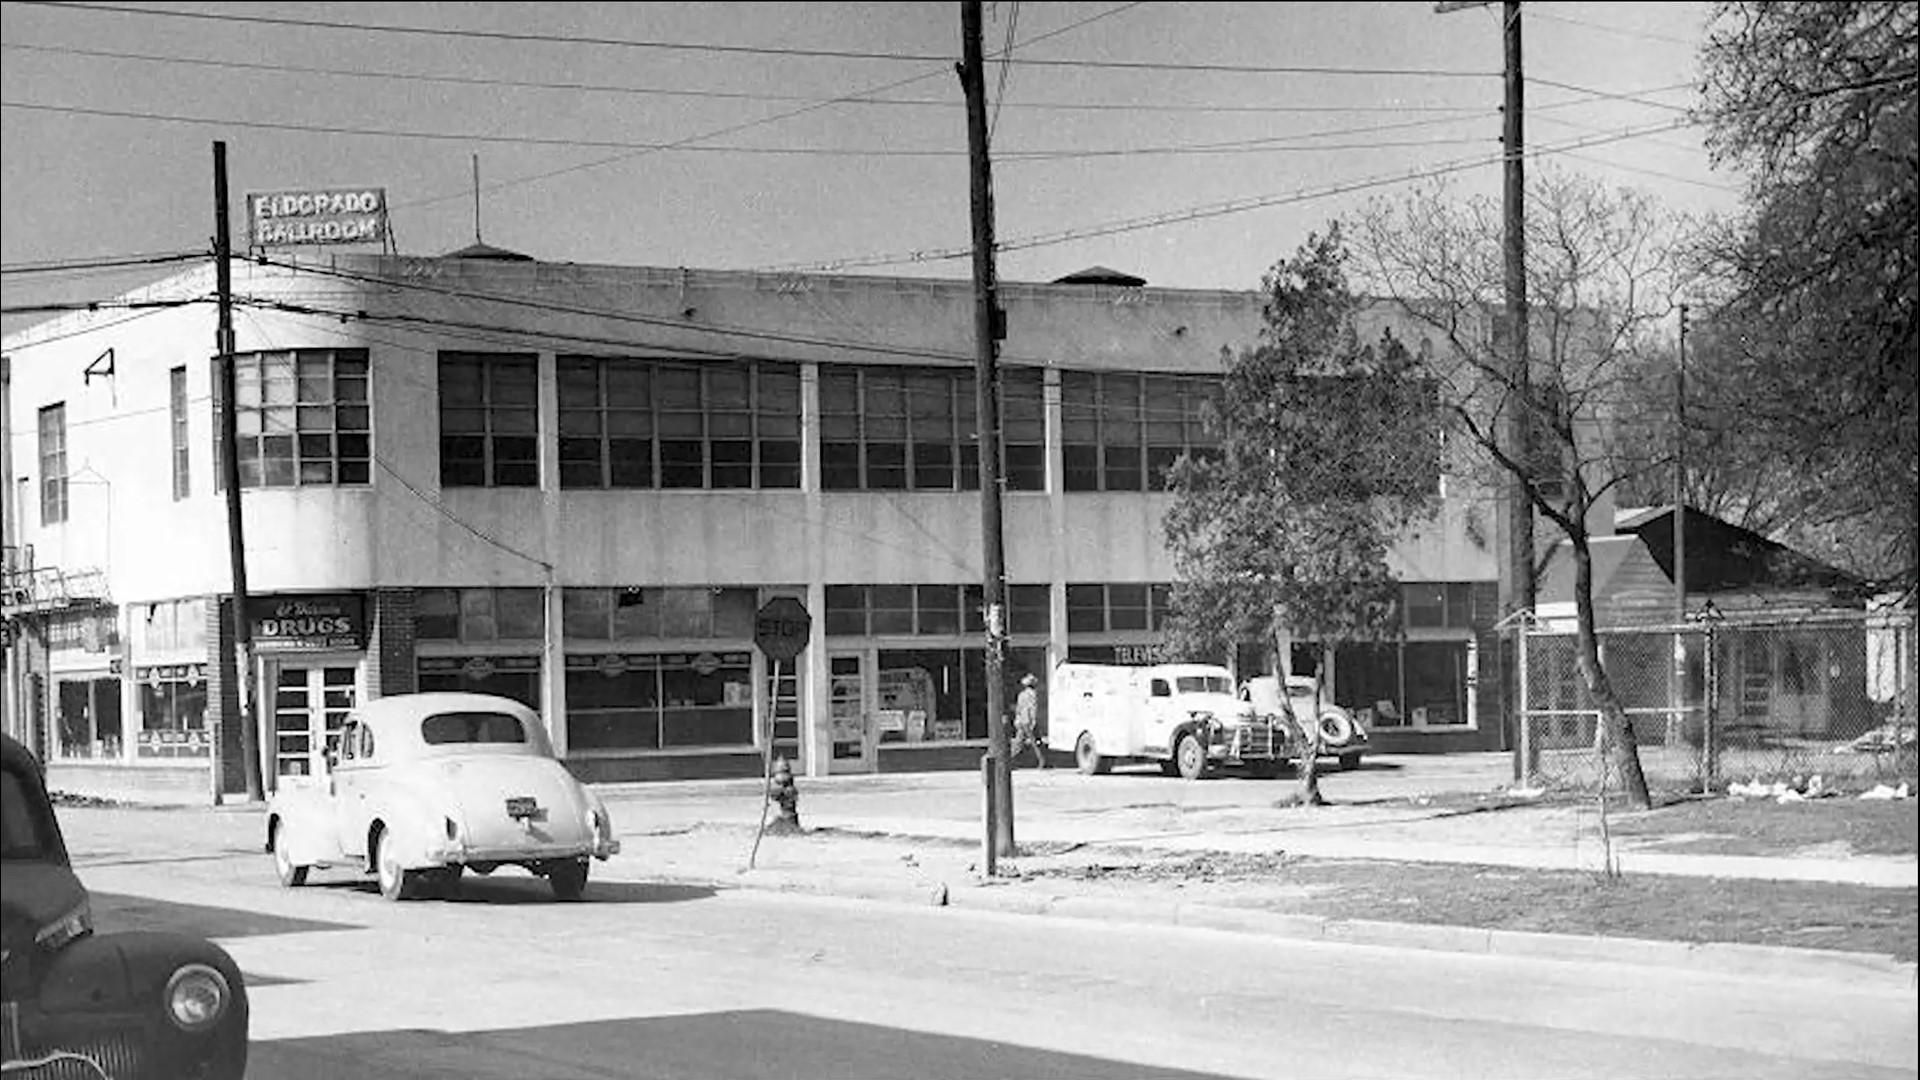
(1183,716)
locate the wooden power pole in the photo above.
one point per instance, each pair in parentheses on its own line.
(237,662)
(989,327)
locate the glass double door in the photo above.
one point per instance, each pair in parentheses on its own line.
(310,702)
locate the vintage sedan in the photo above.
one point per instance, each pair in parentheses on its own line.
(420,788)
(1341,735)
(125,1006)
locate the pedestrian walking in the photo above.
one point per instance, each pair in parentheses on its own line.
(1026,720)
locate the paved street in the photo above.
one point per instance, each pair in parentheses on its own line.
(652,978)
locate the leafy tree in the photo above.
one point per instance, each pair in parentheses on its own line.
(1604,270)
(1814,352)
(1328,448)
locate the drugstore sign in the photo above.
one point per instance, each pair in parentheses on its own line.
(334,621)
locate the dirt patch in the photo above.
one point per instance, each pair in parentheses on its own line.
(1804,915)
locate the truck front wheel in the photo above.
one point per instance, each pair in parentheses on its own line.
(1191,756)
(1087,757)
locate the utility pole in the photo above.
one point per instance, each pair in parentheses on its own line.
(988,328)
(1680,476)
(237,662)
(1516,571)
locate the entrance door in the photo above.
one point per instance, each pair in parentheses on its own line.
(847,714)
(309,704)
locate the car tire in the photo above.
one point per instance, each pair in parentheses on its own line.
(291,876)
(1336,729)
(568,880)
(396,882)
(1191,756)
(1087,758)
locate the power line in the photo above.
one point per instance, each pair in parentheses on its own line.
(1235,206)
(730,95)
(751,50)
(774,119)
(101,262)
(1537,12)
(686,146)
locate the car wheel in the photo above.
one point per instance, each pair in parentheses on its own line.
(291,876)
(569,880)
(396,882)
(1349,762)
(1191,756)
(1335,729)
(1086,757)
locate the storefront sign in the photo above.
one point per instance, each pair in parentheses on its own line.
(292,218)
(333,622)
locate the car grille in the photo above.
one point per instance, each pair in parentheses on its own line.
(1253,740)
(117,1057)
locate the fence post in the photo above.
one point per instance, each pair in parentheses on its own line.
(1529,753)
(1709,744)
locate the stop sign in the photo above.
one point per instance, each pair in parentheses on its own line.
(780,628)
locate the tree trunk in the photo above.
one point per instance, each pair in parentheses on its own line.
(1622,745)
(1307,765)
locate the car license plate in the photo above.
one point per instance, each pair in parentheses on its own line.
(523,806)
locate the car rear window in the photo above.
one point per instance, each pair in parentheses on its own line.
(472,727)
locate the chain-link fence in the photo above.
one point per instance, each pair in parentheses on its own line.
(1717,701)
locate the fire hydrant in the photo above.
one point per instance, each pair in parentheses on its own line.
(782,793)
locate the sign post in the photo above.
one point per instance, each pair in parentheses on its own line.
(780,630)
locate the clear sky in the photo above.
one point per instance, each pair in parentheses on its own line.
(1124,118)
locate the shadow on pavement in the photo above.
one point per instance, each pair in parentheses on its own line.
(114,912)
(745,1044)
(507,888)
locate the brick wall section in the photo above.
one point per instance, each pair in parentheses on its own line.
(223,701)
(390,653)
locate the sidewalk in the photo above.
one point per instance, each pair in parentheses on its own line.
(917,839)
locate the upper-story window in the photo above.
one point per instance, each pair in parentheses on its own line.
(177,425)
(53,464)
(1121,431)
(1098,608)
(1434,605)
(914,429)
(644,424)
(302,417)
(489,420)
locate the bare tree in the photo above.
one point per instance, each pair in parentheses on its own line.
(1605,269)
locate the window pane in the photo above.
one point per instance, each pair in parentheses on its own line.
(938,609)
(586,613)
(520,614)
(846,609)
(1086,609)
(890,609)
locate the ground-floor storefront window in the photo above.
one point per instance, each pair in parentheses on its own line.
(940,695)
(516,677)
(659,701)
(173,711)
(1413,684)
(90,725)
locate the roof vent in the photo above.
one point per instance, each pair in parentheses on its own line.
(1101,275)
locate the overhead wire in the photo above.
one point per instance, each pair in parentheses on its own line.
(728,95)
(442,33)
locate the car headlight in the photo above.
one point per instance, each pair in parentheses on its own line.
(197,997)
(75,924)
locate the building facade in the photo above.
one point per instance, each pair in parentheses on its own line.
(574,485)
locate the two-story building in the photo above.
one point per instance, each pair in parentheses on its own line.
(574,485)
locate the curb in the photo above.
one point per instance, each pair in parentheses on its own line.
(1864,970)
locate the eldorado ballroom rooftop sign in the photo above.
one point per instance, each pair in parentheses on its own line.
(291,218)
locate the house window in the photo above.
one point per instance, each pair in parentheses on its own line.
(302,418)
(177,422)
(654,701)
(1122,432)
(53,464)
(630,614)
(489,420)
(1436,605)
(479,615)
(913,429)
(641,424)
(1096,608)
